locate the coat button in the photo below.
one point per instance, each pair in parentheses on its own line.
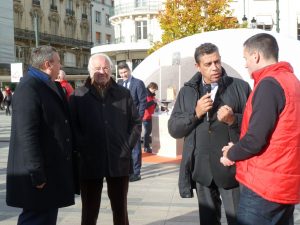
(66,121)
(67,140)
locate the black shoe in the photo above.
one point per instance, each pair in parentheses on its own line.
(134,177)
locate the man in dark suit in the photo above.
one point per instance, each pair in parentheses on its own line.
(106,126)
(139,94)
(207,114)
(39,170)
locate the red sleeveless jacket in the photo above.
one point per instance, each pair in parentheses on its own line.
(275,173)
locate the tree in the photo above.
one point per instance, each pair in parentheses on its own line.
(182,18)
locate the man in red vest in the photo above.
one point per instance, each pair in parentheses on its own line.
(267,155)
(67,87)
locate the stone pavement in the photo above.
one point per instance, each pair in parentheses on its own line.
(152,201)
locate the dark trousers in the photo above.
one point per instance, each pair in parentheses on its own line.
(255,210)
(136,156)
(7,107)
(30,217)
(147,131)
(209,203)
(117,188)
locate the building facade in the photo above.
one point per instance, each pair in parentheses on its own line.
(102,30)
(282,16)
(63,24)
(7,49)
(136,28)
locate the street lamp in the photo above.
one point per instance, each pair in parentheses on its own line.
(244,19)
(253,23)
(277,16)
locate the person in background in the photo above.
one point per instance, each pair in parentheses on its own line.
(7,100)
(67,87)
(139,96)
(39,170)
(106,126)
(1,99)
(267,155)
(207,113)
(147,119)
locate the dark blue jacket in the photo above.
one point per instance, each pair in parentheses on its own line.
(139,94)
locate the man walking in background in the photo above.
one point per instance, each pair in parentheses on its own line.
(67,87)
(139,94)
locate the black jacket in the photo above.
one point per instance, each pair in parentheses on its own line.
(214,134)
(106,130)
(40,148)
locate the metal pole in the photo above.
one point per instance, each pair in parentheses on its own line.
(36,30)
(277,16)
(92,23)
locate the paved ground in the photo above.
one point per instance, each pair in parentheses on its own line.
(152,201)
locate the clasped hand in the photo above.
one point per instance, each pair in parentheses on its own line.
(224,160)
(226,115)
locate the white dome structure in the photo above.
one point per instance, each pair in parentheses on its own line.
(173,64)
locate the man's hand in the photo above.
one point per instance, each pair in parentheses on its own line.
(41,186)
(226,115)
(224,160)
(204,104)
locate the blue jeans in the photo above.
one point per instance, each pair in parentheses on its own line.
(147,131)
(136,156)
(255,210)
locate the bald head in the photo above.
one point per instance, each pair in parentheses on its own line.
(61,75)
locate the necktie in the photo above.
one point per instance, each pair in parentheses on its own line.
(126,84)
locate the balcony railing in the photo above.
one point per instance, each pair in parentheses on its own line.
(130,8)
(70,12)
(84,16)
(53,7)
(52,39)
(36,2)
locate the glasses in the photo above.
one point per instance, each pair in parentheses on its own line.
(105,68)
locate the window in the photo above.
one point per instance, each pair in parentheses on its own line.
(141,30)
(70,4)
(298,27)
(107,20)
(108,39)
(98,17)
(84,9)
(140,3)
(98,37)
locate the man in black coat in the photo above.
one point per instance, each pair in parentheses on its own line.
(106,127)
(139,95)
(207,114)
(39,170)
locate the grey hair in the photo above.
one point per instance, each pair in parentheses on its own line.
(99,54)
(42,54)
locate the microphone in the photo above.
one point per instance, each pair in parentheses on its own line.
(207,89)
